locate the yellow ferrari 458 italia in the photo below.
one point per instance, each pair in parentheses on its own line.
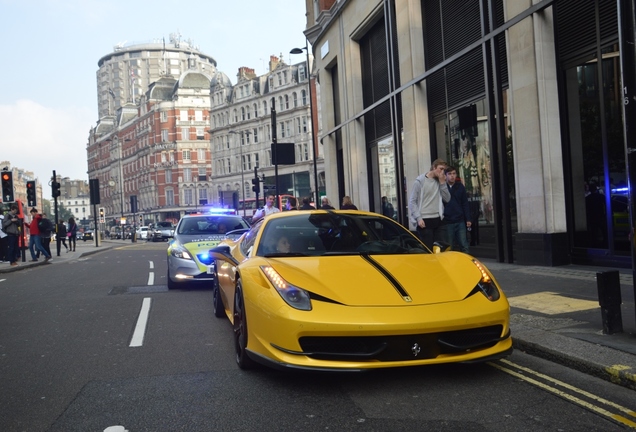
(349,290)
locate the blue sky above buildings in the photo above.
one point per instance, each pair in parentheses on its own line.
(51,49)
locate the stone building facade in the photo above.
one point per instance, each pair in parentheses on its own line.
(522,97)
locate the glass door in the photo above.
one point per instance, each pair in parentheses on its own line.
(598,198)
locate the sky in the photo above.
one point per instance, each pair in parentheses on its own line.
(48,101)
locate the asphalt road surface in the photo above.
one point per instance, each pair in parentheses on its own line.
(100,342)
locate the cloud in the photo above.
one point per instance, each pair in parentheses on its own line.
(42,139)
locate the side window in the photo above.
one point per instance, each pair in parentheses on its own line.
(250,238)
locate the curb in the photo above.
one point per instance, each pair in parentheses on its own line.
(593,359)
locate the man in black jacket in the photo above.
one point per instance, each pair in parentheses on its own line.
(456,212)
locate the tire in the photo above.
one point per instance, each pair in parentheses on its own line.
(171,284)
(217,301)
(240,330)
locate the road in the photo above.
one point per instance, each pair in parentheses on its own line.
(67,364)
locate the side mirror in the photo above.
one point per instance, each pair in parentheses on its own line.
(440,246)
(223,252)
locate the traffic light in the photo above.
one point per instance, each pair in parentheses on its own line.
(55,189)
(7,187)
(31,195)
(141,220)
(257,185)
(102,216)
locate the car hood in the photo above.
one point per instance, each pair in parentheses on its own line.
(199,243)
(383,280)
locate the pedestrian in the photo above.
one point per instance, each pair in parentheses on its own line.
(11,226)
(426,203)
(71,233)
(326,204)
(35,241)
(347,204)
(306,205)
(60,236)
(267,210)
(4,248)
(290,204)
(387,208)
(46,232)
(456,212)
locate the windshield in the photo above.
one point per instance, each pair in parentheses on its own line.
(164,224)
(210,225)
(336,234)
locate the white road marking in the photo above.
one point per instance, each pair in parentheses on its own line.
(2,280)
(152,264)
(140,329)
(151,278)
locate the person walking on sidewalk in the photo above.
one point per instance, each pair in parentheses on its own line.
(4,248)
(11,226)
(426,203)
(456,213)
(35,241)
(60,236)
(46,233)
(71,234)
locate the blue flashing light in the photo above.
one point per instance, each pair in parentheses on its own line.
(218,210)
(620,190)
(204,258)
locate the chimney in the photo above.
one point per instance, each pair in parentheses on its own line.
(273,62)
(246,73)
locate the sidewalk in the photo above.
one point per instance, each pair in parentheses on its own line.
(555,313)
(82,249)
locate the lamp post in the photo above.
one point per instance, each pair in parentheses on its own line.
(233,132)
(313,129)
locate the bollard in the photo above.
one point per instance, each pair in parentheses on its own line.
(609,297)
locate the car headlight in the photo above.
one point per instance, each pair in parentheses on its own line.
(486,285)
(180,252)
(294,296)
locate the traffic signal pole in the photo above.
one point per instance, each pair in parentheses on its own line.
(55,189)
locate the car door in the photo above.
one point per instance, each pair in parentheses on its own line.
(227,268)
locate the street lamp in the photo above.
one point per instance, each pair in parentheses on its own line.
(242,174)
(313,129)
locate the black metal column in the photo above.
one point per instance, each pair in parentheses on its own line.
(627,44)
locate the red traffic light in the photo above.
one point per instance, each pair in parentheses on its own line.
(6,176)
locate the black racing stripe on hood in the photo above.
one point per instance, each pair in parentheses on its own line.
(398,287)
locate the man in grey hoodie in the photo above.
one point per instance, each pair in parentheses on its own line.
(426,203)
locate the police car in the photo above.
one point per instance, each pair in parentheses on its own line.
(194,236)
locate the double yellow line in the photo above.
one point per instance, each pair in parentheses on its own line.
(627,416)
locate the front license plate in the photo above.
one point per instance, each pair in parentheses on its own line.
(210,270)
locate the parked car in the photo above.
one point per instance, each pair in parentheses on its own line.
(142,232)
(344,290)
(79,235)
(115,233)
(88,235)
(194,236)
(161,231)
